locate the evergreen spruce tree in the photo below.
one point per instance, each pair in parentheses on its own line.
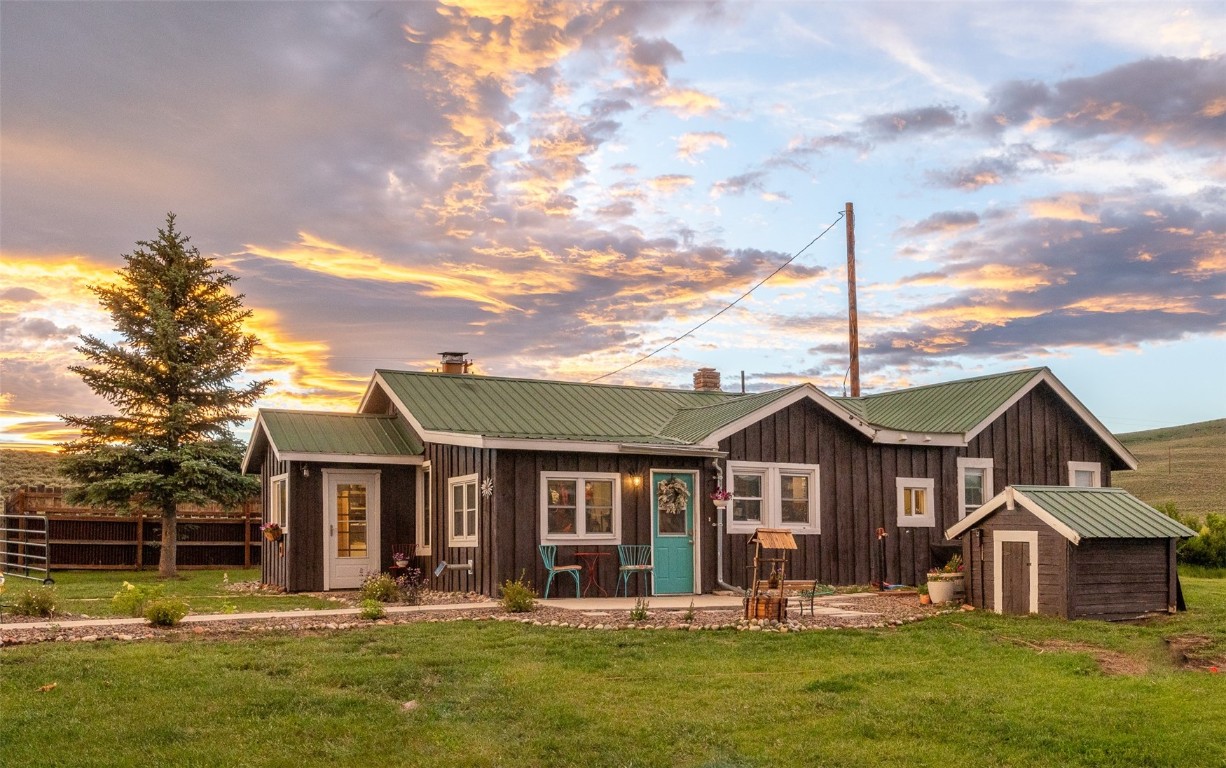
(171,378)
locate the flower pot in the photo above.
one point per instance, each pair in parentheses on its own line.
(942,589)
(402,563)
(925,600)
(272,535)
(720,503)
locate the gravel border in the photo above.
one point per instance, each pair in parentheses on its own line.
(862,611)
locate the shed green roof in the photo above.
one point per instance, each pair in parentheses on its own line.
(951,407)
(692,424)
(553,410)
(303,432)
(1104,513)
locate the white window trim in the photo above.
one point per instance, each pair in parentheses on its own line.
(1086,466)
(772,498)
(580,509)
(965,464)
(917,521)
(461,540)
(282,516)
(422,542)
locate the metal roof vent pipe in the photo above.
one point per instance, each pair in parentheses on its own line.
(455,362)
(707,380)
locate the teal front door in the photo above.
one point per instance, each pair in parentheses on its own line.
(672,524)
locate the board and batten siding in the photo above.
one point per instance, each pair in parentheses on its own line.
(1122,578)
(446,462)
(978,550)
(517,503)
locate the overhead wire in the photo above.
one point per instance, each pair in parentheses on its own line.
(736,301)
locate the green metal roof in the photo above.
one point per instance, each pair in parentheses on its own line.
(298,432)
(952,407)
(1103,513)
(691,425)
(553,410)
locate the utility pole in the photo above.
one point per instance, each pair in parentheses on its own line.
(853,321)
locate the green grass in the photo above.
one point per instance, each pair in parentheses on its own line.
(1183,465)
(963,689)
(89,593)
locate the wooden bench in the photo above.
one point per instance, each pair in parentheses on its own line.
(799,592)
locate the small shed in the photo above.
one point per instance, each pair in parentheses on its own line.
(1097,553)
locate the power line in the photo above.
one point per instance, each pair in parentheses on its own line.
(725,309)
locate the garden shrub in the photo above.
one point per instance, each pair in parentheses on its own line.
(639,611)
(42,602)
(381,587)
(372,609)
(165,612)
(410,585)
(517,595)
(132,599)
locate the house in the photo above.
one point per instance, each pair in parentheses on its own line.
(461,468)
(1070,552)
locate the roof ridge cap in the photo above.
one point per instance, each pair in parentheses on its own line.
(546,381)
(734,397)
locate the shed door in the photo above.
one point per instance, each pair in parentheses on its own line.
(1015,577)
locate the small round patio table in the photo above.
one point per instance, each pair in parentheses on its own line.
(591,574)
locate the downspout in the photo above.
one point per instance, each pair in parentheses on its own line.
(719,537)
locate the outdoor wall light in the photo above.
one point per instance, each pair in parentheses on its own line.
(636,481)
(306,471)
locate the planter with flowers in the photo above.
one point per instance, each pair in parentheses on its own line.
(720,498)
(401,560)
(944,582)
(272,531)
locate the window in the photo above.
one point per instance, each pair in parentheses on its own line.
(916,502)
(462,511)
(774,496)
(1084,474)
(278,502)
(580,507)
(974,484)
(424,508)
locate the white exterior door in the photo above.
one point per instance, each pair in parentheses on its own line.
(351,527)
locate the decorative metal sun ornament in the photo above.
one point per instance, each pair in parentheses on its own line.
(487,487)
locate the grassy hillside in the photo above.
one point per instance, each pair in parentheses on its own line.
(1185,465)
(19,467)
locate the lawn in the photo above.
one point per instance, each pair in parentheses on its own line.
(89,593)
(963,689)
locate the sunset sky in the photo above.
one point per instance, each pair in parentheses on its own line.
(558,189)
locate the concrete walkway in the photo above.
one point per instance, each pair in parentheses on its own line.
(583,605)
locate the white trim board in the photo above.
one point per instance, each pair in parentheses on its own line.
(1009,498)
(1026,537)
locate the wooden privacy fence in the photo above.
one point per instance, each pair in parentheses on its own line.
(93,538)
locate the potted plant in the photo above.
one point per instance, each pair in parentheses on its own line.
(944,582)
(272,531)
(720,498)
(400,559)
(925,598)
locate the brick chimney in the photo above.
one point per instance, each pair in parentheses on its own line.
(707,380)
(454,362)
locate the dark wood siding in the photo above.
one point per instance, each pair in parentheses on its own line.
(979,554)
(446,462)
(1032,444)
(858,495)
(517,508)
(1121,578)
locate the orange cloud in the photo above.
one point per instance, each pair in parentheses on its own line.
(1136,302)
(319,255)
(670,183)
(1063,208)
(691,145)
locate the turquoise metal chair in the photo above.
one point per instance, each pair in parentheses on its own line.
(549,553)
(635,559)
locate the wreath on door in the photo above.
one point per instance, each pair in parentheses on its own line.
(672,496)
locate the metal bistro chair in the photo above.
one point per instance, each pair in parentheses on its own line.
(635,559)
(549,553)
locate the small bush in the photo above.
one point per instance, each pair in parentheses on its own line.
(410,585)
(639,611)
(132,599)
(372,609)
(518,595)
(165,612)
(41,601)
(381,587)
(688,616)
